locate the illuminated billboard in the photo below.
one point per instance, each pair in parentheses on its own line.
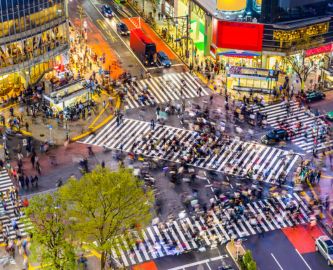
(238,36)
(231,5)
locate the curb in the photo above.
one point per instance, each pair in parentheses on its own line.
(103,123)
(232,256)
(152,28)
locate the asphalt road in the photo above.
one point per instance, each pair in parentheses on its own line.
(121,44)
(107,27)
(275,252)
(208,260)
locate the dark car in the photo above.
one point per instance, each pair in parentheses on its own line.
(107,11)
(311,96)
(163,59)
(329,116)
(122,29)
(276,135)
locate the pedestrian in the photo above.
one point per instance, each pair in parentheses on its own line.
(318,175)
(26,126)
(11,110)
(211,99)
(32,159)
(36,180)
(158,109)
(38,168)
(27,182)
(152,124)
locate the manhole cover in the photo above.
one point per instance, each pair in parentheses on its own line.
(42,135)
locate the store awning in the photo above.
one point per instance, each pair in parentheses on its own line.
(240,54)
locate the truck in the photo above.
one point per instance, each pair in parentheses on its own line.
(143,47)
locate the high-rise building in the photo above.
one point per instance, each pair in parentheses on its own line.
(34,37)
(275,11)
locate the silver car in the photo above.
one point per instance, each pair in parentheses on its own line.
(324,245)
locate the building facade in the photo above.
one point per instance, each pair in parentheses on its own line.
(34,37)
(258,33)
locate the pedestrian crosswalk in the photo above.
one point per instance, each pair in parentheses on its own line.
(7,216)
(231,156)
(207,231)
(163,89)
(309,130)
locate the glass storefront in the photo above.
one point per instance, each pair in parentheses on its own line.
(35,51)
(21,15)
(26,49)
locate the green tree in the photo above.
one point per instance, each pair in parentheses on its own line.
(51,243)
(105,204)
(298,65)
(247,258)
(251,265)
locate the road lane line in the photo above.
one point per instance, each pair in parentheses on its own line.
(276,261)
(308,266)
(199,262)
(109,23)
(208,266)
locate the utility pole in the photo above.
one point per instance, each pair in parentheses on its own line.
(81,15)
(188,20)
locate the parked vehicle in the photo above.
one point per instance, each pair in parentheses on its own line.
(163,59)
(143,47)
(107,11)
(324,245)
(276,135)
(122,29)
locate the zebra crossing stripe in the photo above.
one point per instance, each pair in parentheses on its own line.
(7,216)
(164,89)
(278,112)
(179,231)
(241,156)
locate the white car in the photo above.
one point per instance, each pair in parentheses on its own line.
(324,245)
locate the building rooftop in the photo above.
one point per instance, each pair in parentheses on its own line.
(210,6)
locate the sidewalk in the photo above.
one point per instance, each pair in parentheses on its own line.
(166,29)
(235,251)
(51,129)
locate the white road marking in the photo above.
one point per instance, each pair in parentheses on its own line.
(199,262)
(128,47)
(276,261)
(308,266)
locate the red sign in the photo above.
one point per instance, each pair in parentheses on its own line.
(238,36)
(319,50)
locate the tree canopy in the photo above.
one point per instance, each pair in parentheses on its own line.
(105,204)
(96,210)
(50,244)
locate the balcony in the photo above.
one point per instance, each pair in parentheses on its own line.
(35,60)
(32,32)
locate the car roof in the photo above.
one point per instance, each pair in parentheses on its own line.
(328,241)
(279,130)
(162,53)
